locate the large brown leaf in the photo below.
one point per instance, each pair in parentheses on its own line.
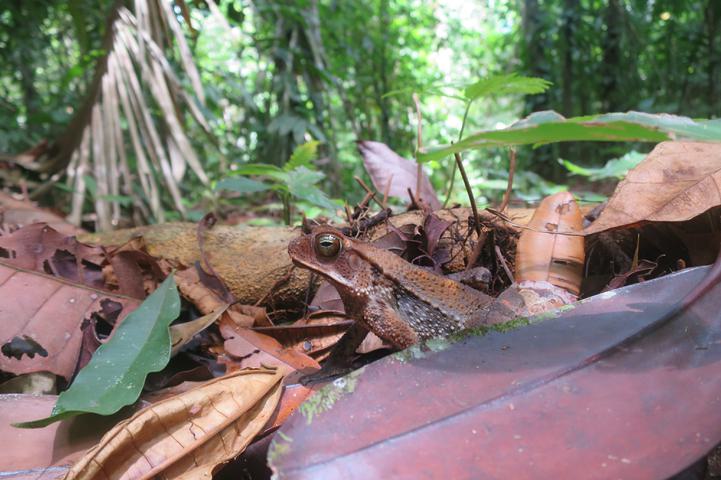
(623,385)
(385,166)
(43,452)
(42,315)
(676,182)
(188,435)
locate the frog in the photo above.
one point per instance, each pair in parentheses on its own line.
(400,302)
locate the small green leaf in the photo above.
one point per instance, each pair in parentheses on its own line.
(115,375)
(504,85)
(255,169)
(241,185)
(303,155)
(615,168)
(302,182)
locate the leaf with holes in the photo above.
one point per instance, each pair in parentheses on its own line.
(41,328)
(116,373)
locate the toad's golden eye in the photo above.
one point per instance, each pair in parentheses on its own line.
(327,245)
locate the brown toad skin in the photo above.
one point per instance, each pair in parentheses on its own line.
(396,300)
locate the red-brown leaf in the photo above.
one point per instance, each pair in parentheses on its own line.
(624,385)
(50,312)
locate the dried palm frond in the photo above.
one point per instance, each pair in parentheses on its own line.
(115,139)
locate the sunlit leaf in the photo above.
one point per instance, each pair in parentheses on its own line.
(548,127)
(115,375)
(303,155)
(255,169)
(614,168)
(505,84)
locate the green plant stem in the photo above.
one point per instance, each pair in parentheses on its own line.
(453,169)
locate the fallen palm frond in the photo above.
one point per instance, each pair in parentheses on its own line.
(127,142)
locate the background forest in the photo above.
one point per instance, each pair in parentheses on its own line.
(274,75)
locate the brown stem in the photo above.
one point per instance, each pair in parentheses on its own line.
(476,217)
(504,264)
(368,190)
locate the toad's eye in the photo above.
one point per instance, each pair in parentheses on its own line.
(327,245)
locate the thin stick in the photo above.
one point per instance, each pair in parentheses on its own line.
(419,144)
(469,191)
(367,189)
(526,227)
(509,187)
(504,264)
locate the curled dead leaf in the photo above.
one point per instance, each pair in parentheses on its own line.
(188,435)
(545,253)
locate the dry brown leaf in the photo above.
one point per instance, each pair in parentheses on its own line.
(182,333)
(189,435)
(310,335)
(29,452)
(41,248)
(252,349)
(676,181)
(544,254)
(44,318)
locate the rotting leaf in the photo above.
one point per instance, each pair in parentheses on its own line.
(210,424)
(625,384)
(115,375)
(676,182)
(47,311)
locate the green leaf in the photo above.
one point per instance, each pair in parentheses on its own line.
(241,185)
(255,169)
(303,155)
(547,127)
(115,375)
(504,85)
(301,184)
(614,168)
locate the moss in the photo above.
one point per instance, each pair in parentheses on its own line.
(326,397)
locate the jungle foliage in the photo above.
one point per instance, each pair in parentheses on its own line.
(278,74)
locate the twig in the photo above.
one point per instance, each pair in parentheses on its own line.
(469,191)
(366,223)
(419,144)
(509,187)
(367,189)
(504,264)
(526,227)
